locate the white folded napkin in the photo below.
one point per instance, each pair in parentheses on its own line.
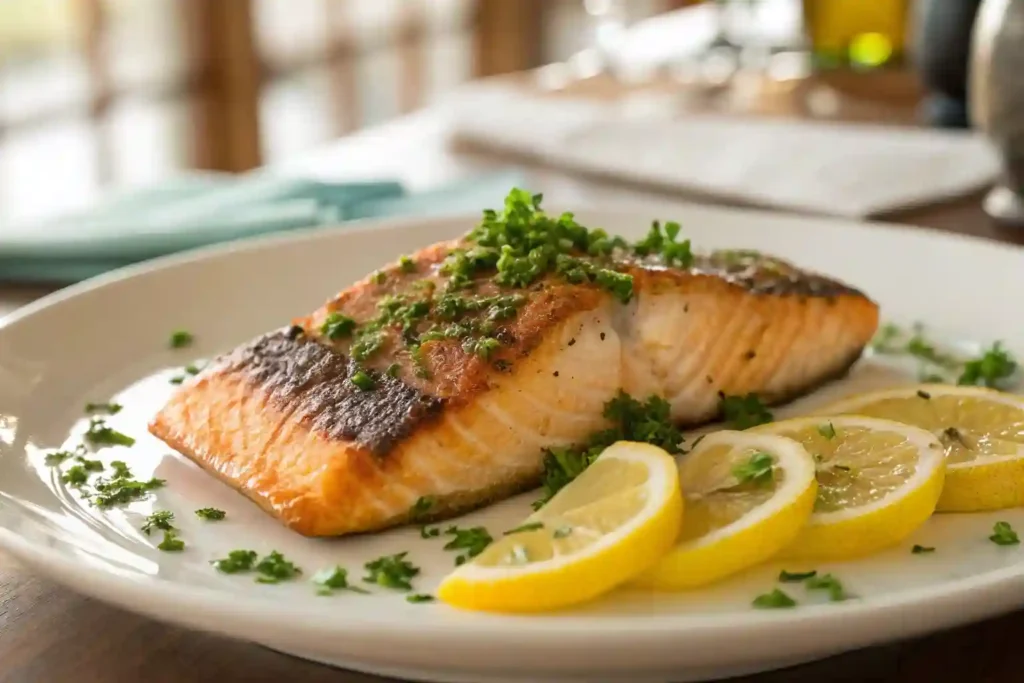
(815,167)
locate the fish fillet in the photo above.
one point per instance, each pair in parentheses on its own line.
(280,420)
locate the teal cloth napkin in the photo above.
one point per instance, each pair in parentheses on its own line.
(204,208)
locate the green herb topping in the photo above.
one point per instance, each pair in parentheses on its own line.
(530,526)
(57,458)
(993,367)
(990,369)
(337,326)
(759,469)
(89,465)
(921,549)
(121,469)
(473,541)
(562,532)
(75,476)
(362,381)
(631,420)
(236,562)
(430,532)
(391,571)
(335,579)
(180,339)
(99,434)
(161,519)
(796,577)
(422,506)
(419,597)
(171,543)
(774,600)
(827,430)
(1003,534)
(406,264)
(673,253)
(828,583)
(210,514)
(108,408)
(274,568)
(121,489)
(743,412)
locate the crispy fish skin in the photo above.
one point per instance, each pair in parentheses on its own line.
(279,420)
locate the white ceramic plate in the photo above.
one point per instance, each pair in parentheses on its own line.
(101,339)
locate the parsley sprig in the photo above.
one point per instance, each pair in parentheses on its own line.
(472,541)
(993,367)
(391,571)
(632,420)
(743,412)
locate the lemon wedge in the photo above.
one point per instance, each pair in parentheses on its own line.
(981,431)
(747,496)
(878,481)
(612,522)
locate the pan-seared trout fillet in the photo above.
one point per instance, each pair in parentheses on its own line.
(433,387)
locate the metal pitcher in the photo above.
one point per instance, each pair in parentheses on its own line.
(996,91)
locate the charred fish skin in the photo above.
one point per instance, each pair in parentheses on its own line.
(444,376)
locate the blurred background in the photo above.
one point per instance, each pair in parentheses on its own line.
(102,93)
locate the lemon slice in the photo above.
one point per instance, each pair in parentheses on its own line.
(747,496)
(612,522)
(981,430)
(878,481)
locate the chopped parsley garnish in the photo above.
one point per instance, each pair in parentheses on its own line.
(991,369)
(274,568)
(1003,534)
(422,506)
(181,338)
(743,412)
(483,347)
(57,457)
(406,264)
(89,465)
(161,519)
(774,600)
(530,526)
(430,532)
(99,434)
(921,393)
(419,597)
(171,542)
(337,326)
(759,469)
(236,562)
(119,490)
(210,514)
(649,421)
(921,549)
(796,577)
(335,579)
(392,370)
(828,583)
(472,540)
(108,408)
(192,369)
(562,532)
(827,430)
(362,381)
(121,469)
(674,254)
(75,476)
(177,379)
(378,277)
(391,571)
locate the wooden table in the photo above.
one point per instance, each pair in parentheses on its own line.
(49,634)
